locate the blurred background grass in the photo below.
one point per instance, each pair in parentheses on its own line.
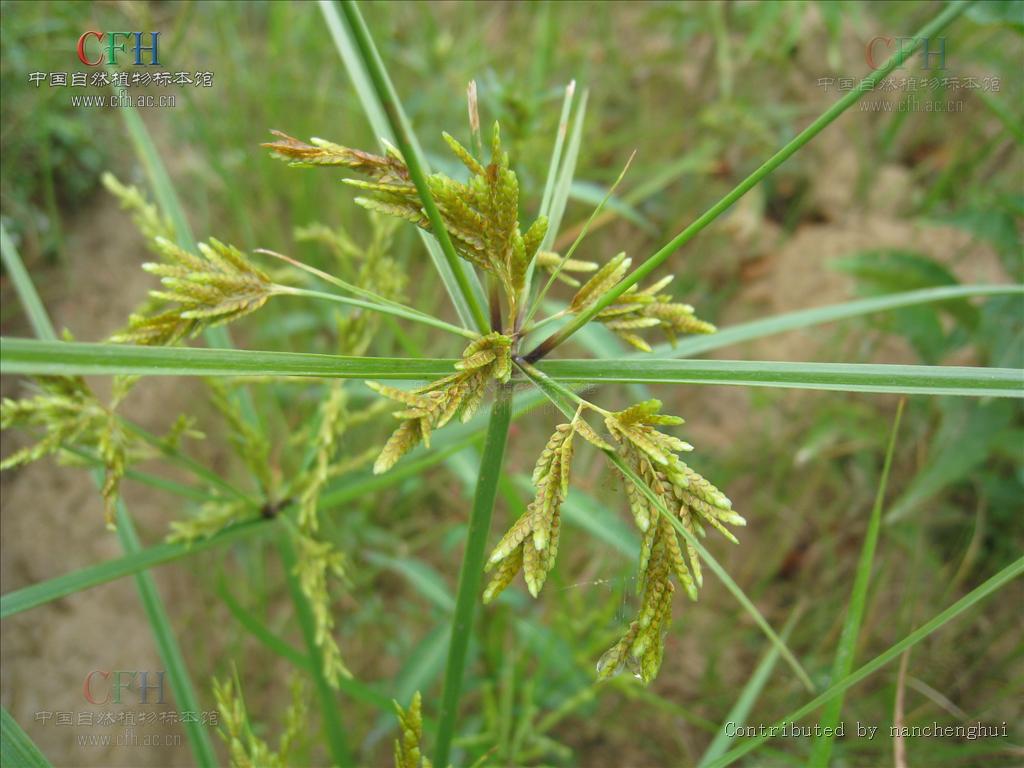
(704,92)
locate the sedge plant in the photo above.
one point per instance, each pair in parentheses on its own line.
(499,267)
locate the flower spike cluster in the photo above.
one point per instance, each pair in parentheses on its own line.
(531,544)
(685,494)
(637,309)
(216,287)
(408,752)
(72,417)
(433,406)
(480,215)
(245,748)
(316,562)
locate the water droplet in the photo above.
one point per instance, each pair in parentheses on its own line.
(630,663)
(633,665)
(608,657)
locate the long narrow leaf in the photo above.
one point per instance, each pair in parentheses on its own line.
(868,84)
(805,318)
(849,377)
(67,358)
(17,750)
(855,612)
(170,652)
(737,716)
(972,598)
(30,301)
(132,563)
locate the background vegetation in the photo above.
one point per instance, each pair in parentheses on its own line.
(880,202)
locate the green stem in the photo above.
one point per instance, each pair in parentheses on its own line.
(343,285)
(387,309)
(867,84)
(471,572)
(389,100)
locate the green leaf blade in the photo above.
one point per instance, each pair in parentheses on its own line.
(16,748)
(66,358)
(847,646)
(972,598)
(849,377)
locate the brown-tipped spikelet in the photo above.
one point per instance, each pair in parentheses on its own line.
(648,308)
(433,406)
(480,215)
(531,544)
(390,168)
(217,287)
(551,262)
(652,455)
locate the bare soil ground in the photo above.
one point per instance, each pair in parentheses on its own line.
(52,523)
